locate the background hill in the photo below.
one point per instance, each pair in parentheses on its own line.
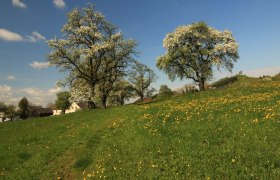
(276,77)
(215,134)
(240,80)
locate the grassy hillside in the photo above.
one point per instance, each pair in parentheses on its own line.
(220,134)
(276,77)
(236,80)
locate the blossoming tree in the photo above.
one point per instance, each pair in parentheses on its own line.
(141,77)
(91,52)
(193,51)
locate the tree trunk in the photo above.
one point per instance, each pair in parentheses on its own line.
(91,105)
(141,96)
(121,100)
(201,85)
(104,101)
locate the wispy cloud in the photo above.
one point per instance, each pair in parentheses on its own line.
(59,3)
(35,37)
(7,35)
(39,65)
(10,77)
(18,3)
(5,90)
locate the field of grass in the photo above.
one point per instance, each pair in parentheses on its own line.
(219,134)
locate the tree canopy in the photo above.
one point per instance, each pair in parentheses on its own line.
(141,77)
(123,90)
(193,50)
(22,105)
(62,101)
(9,110)
(92,52)
(164,91)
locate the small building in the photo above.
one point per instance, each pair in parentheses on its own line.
(77,106)
(38,111)
(56,112)
(2,113)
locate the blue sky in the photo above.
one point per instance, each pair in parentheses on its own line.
(25,25)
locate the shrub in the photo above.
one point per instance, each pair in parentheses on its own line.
(164,91)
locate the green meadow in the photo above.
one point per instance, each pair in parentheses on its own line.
(231,133)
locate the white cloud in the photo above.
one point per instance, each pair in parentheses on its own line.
(9,99)
(31,91)
(18,3)
(34,95)
(39,96)
(5,90)
(10,36)
(35,37)
(59,3)
(7,35)
(6,95)
(39,65)
(10,77)
(34,92)
(55,90)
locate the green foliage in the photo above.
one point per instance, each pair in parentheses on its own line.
(22,105)
(225,81)
(62,101)
(122,92)
(9,110)
(141,77)
(150,92)
(219,134)
(2,104)
(192,51)
(164,91)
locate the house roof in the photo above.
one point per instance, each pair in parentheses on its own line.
(33,108)
(44,111)
(3,109)
(40,109)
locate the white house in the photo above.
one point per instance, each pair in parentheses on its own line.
(57,112)
(77,106)
(2,114)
